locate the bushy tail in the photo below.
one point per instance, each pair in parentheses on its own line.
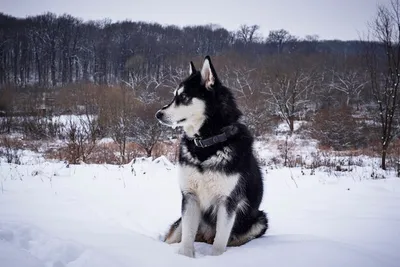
(174,234)
(257,229)
(262,222)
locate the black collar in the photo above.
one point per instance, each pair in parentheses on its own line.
(227,132)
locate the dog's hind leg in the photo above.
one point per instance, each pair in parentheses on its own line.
(174,234)
(257,229)
(225,221)
(191,215)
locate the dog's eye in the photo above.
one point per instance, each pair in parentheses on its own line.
(183,96)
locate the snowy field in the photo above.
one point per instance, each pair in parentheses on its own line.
(55,215)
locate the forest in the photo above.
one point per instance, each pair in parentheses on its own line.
(116,74)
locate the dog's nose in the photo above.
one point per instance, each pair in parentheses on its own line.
(159,114)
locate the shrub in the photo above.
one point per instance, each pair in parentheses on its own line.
(337,129)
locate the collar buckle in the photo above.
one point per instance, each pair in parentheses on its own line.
(198,142)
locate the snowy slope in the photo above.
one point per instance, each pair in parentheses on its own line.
(56,215)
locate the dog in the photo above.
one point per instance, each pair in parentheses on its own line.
(219,176)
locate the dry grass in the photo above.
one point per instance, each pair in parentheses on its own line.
(9,149)
(108,153)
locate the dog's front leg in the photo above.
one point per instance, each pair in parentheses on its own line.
(190,223)
(225,221)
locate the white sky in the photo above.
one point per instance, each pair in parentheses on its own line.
(330,19)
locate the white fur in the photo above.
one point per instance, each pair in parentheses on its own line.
(179,91)
(224,228)
(190,224)
(220,158)
(193,113)
(188,156)
(193,126)
(255,230)
(242,206)
(209,187)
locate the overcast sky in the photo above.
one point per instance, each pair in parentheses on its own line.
(330,19)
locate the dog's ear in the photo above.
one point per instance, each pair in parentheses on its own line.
(208,74)
(192,68)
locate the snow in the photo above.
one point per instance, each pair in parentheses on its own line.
(58,215)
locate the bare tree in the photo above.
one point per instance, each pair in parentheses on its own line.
(83,132)
(383,61)
(118,116)
(240,79)
(336,128)
(248,33)
(351,83)
(147,130)
(280,38)
(287,93)
(245,83)
(82,135)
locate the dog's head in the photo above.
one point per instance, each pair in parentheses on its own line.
(188,106)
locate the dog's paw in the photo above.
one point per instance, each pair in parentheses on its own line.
(217,251)
(186,251)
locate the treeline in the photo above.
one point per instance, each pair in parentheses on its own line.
(50,62)
(279,74)
(49,50)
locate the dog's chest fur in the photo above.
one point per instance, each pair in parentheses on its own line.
(209,186)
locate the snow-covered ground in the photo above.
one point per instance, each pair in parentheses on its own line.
(56,215)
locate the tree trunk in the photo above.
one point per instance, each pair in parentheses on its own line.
(123,150)
(383,154)
(291,124)
(148,151)
(53,63)
(65,68)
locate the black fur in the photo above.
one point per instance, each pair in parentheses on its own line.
(221,111)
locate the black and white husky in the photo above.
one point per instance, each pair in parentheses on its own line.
(220,180)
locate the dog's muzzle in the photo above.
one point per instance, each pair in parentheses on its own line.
(162,118)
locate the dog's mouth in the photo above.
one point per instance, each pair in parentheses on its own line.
(172,124)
